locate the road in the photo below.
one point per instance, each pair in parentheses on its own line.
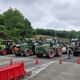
(46,67)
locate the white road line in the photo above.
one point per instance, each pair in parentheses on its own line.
(35,71)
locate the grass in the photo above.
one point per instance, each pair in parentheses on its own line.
(43,37)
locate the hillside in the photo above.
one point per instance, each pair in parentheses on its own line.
(43,37)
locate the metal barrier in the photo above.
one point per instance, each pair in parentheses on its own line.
(12,71)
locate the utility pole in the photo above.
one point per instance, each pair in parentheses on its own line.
(55,37)
(55,33)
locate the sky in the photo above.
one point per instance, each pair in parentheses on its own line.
(47,14)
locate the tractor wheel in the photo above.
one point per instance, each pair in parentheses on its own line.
(64,52)
(39,55)
(75,53)
(50,53)
(59,53)
(19,53)
(27,53)
(4,52)
(13,49)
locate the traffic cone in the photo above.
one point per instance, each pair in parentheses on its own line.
(60,61)
(11,62)
(24,70)
(78,60)
(37,62)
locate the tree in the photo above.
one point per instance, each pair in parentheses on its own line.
(1,19)
(14,25)
(28,30)
(13,19)
(14,22)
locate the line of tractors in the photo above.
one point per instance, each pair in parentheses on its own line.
(45,48)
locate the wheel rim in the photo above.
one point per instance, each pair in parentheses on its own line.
(51,54)
(4,52)
(13,50)
(59,52)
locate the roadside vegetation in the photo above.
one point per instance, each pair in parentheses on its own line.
(13,25)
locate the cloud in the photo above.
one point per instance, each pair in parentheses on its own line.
(62,14)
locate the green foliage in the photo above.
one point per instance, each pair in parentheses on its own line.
(28,30)
(1,20)
(13,19)
(13,24)
(62,34)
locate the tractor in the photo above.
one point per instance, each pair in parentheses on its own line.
(5,47)
(8,44)
(48,50)
(3,50)
(75,47)
(24,49)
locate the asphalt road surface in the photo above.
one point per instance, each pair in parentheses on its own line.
(47,69)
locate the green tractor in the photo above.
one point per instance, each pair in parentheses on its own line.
(8,44)
(5,47)
(24,49)
(47,50)
(3,50)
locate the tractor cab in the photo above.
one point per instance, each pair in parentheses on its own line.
(8,43)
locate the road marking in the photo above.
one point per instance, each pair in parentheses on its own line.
(36,70)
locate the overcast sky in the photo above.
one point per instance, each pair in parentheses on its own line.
(48,14)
